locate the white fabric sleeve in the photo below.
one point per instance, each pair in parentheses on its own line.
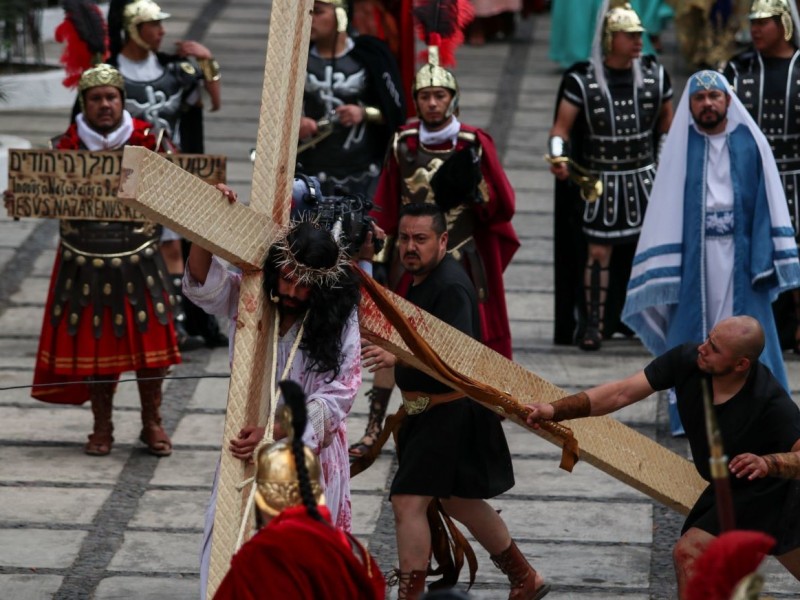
(219,295)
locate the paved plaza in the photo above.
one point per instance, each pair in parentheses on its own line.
(129,525)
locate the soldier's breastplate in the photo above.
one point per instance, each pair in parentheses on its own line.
(779,116)
(417,168)
(157,101)
(329,85)
(621,124)
(776,106)
(107,265)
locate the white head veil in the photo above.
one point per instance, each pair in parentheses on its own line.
(663,223)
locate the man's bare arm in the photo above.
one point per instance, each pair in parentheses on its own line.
(597,401)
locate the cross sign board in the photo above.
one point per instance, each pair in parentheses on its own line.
(242,235)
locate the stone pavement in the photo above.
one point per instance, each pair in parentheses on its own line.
(129,525)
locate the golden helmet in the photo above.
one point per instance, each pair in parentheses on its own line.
(277,482)
(138,12)
(433,75)
(764,9)
(620,18)
(340,7)
(98,76)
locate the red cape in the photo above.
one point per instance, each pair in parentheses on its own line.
(296,557)
(495,236)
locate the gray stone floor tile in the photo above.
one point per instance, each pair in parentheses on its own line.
(588,521)
(200,430)
(33,292)
(21,321)
(538,477)
(29,587)
(63,424)
(189,468)
(50,505)
(148,588)
(6,256)
(366,510)
(622,567)
(375,478)
(23,548)
(210,394)
(158,552)
(59,465)
(171,509)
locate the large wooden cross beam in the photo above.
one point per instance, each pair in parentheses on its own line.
(242,236)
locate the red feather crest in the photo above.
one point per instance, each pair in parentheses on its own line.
(441,23)
(84,35)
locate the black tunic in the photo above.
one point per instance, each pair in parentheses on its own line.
(760,419)
(457,448)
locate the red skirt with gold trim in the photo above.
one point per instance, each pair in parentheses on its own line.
(63,358)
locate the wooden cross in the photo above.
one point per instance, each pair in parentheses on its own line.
(242,235)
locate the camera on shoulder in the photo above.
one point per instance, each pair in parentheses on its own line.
(344,215)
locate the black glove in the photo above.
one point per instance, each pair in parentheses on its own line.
(456,181)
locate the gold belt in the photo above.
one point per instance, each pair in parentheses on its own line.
(417,402)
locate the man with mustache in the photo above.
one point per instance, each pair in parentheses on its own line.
(717,240)
(449,448)
(766,79)
(759,423)
(109,309)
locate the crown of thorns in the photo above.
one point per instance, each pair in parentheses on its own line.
(304,274)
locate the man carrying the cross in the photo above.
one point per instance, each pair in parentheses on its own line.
(759,423)
(110,304)
(449,447)
(316,343)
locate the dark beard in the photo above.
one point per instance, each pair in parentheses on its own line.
(708,126)
(298,308)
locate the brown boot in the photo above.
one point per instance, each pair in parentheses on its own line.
(153,434)
(378,402)
(411,583)
(520,573)
(101,396)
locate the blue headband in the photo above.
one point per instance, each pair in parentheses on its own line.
(707,80)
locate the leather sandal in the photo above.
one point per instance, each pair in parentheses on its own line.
(99,444)
(156,440)
(361,447)
(378,402)
(592,340)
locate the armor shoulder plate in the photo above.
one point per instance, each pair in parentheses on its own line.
(468,136)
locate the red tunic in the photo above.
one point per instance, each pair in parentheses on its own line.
(299,558)
(494,236)
(63,358)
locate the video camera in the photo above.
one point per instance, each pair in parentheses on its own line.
(346,215)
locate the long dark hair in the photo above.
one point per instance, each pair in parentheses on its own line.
(295,399)
(329,307)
